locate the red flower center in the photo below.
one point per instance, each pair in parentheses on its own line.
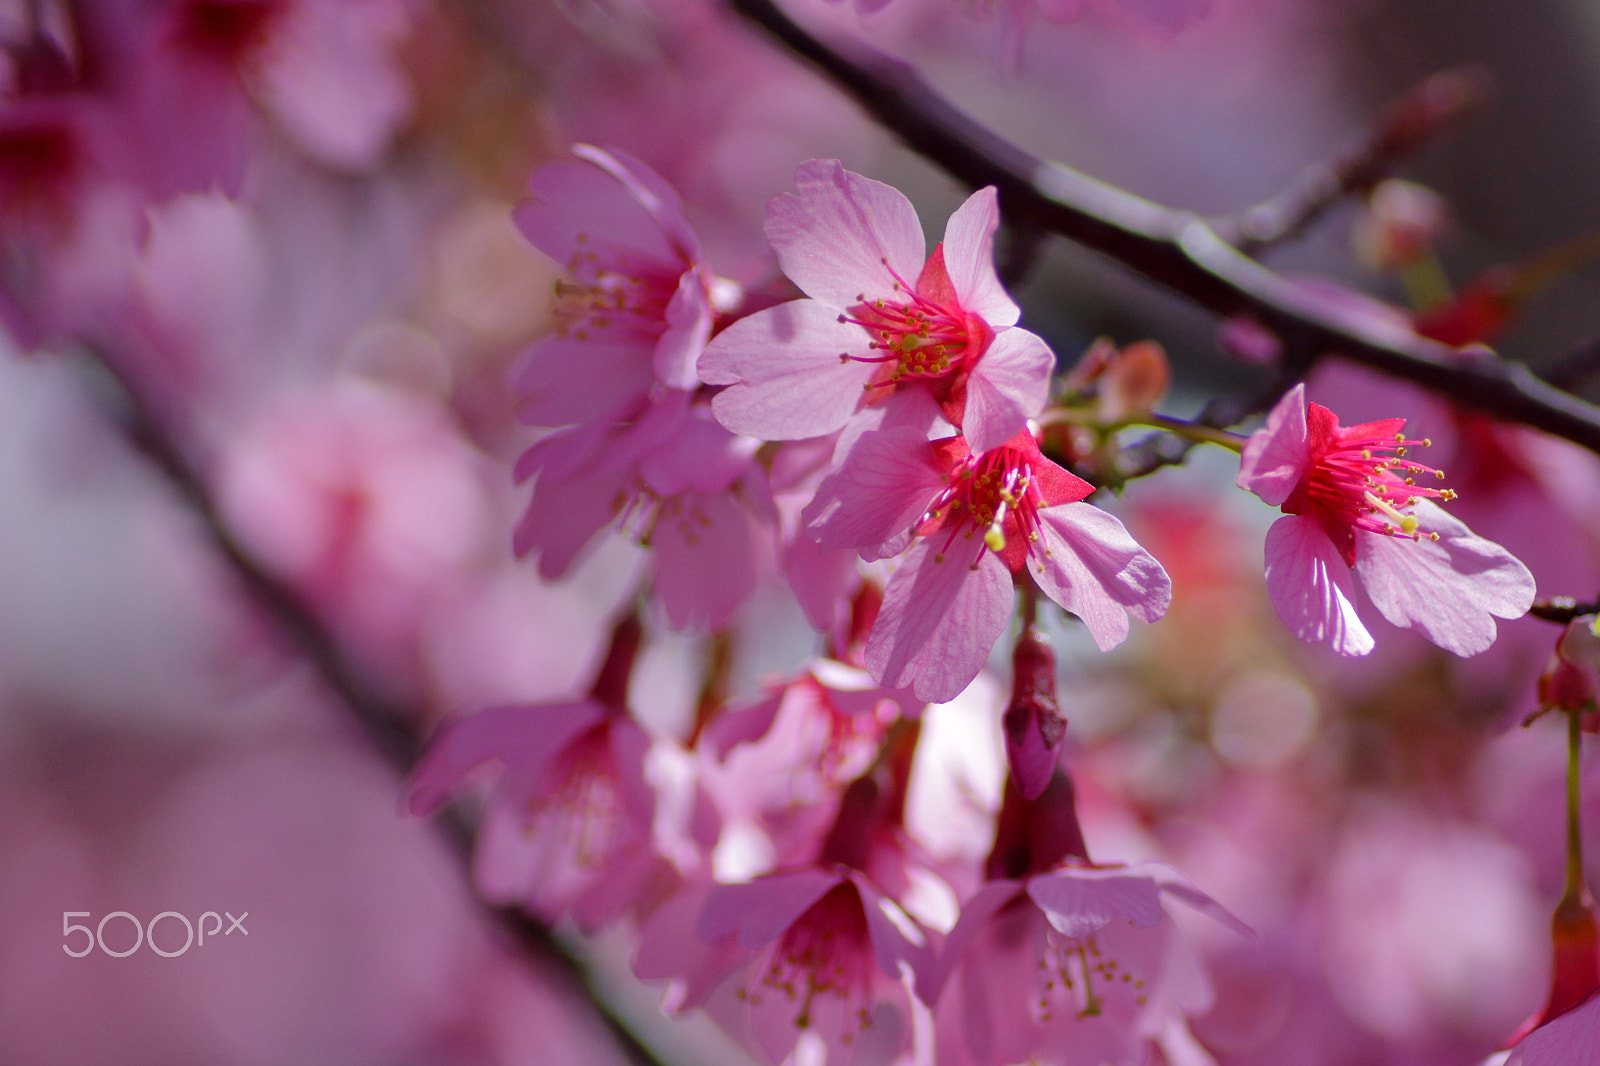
(998,494)
(1362,479)
(927,335)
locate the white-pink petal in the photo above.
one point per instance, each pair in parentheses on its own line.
(784,374)
(880,490)
(1311,588)
(833,234)
(1010,385)
(1450,590)
(1090,564)
(969,260)
(940,619)
(1278,455)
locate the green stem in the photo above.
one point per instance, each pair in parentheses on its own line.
(1234,442)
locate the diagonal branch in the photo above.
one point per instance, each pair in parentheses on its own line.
(1175,249)
(389,726)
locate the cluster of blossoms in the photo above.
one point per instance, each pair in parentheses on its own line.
(876,441)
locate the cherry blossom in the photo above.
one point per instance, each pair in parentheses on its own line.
(633,306)
(1077,966)
(971,522)
(1354,502)
(880,320)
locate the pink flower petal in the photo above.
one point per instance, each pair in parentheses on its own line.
(562,381)
(650,191)
(878,493)
(1093,567)
(688,328)
(1449,589)
(758,912)
(969,260)
(940,618)
(524,739)
(975,915)
(1081,901)
(784,374)
(706,560)
(574,207)
(1572,1039)
(834,232)
(562,518)
(1278,455)
(1310,586)
(1009,386)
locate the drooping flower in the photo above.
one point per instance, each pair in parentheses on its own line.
(972,521)
(569,827)
(1354,502)
(1077,966)
(880,320)
(809,951)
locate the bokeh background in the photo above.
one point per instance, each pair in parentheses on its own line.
(288,225)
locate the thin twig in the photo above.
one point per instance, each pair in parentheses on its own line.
(1172,248)
(1436,104)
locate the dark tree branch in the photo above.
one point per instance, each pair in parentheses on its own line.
(391,727)
(1172,248)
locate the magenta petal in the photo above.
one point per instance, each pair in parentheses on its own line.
(646,188)
(822,581)
(879,492)
(1571,1039)
(969,260)
(1310,586)
(667,948)
(1009,386)
(1277,456)
(785,377)
(524,739)
(688,328)
(563,516)
(758,912)
(1093,567)
(834,232)
(897,943)
(940,619)
(1079,902)
(578,204)
(562,381)
(706,560)
(975,916)
(1450,589)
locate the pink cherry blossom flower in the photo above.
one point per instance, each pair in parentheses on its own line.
(634,306)
(569,822)
(972,521)
(1077,966)
(1354,503)
(880,320)
(807,951)
(673,480)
